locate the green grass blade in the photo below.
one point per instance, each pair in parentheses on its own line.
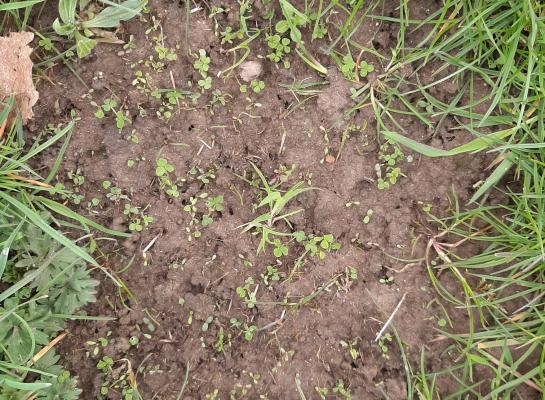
(493,179)
(68,213)
(19,4)
(39,222)
(474,146)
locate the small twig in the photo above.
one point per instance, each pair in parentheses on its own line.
(299,388)
(206,144)
(174,86)
(49,346)
(150,244)
(379,335)
(283,141)
(27,180)
(275,322)
(358,60)
(184,384)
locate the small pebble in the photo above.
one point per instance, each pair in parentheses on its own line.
(330,159)
(250,70)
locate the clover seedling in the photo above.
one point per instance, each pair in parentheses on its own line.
(257,85)
(138,220)
(202,64)
(279,249)
(386,280)
(249,332)
(163,167)
(164,53)
(115,193)
(218,97)
(235,323)
(280,47)
(205,83)
(348,67)
(215,203)
(365,68)
(105,365)
(383,344)
(77,177)
(93,203)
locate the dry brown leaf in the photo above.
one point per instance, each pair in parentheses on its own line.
(16,72)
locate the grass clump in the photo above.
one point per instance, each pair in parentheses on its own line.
(44,279)
(276,201)
(497,45)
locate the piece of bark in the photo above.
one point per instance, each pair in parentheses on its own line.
(16,72)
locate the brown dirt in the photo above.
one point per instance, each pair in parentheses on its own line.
(205,272)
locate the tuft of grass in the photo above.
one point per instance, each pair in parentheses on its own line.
(276,201)
(496,45)
(44,273)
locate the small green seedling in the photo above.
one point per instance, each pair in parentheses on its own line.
(389,154)
(351,274)
(386,280)
(84,30)
(249,332)
(235,323)
(280,249)
(202,64)
(341,390)
(245,293)
(348,67)
(257,85)
(219,97)
(229,35)
(77,177)
(351,347)
(163,167)
(383,344)
(105,364)
(270,275)
(276,201)
(293,20)
(94,202)
(115,193)
(365,68)
(215,203)
(322,392)
(162,170)
(138,220)
(205,83)
(280,47)
(367,217)
(317,246)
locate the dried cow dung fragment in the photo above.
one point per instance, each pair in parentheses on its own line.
(16,72)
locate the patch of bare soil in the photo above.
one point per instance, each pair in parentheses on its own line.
(317,323)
